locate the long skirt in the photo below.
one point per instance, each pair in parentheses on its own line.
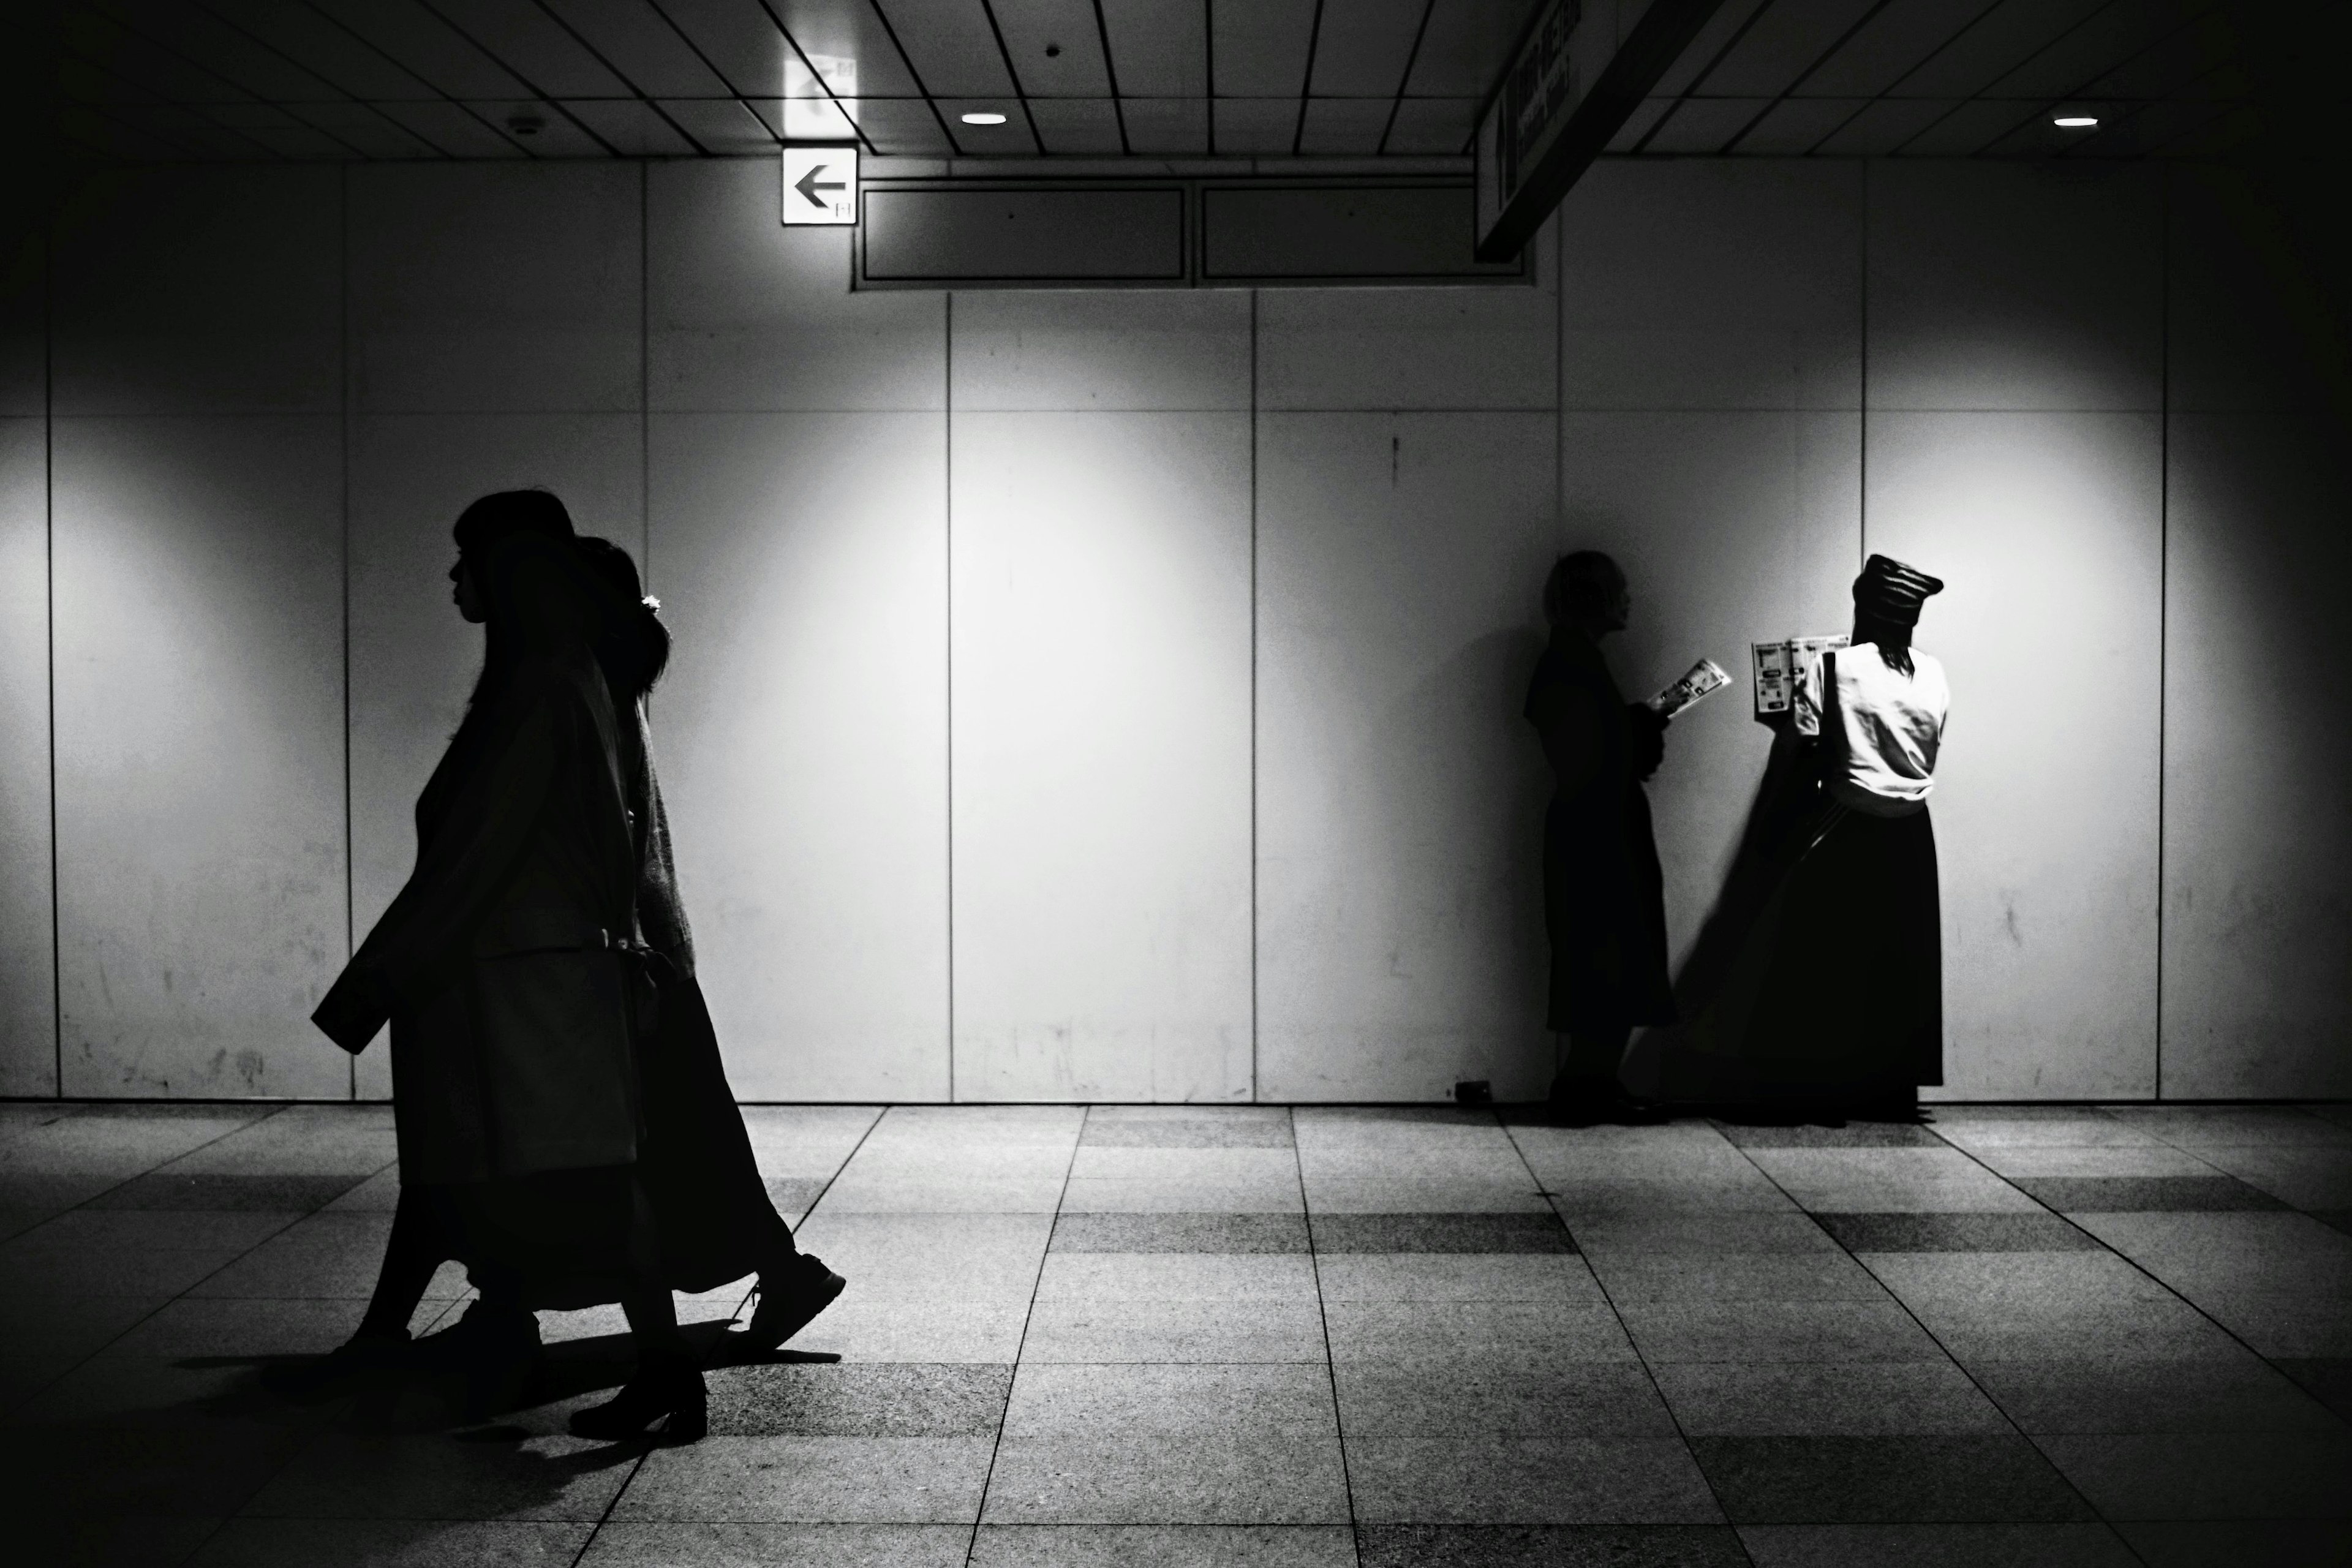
(711,1209)
(694,1205)
(1835,989)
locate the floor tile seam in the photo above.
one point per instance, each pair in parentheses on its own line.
(1641,1356)
(187,1292)
(2150,1274)
(1330,1365)
(1982,1392)
(1028,1316)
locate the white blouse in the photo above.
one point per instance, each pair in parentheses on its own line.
(1882,730)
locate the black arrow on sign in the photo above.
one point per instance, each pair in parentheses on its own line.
(809,185)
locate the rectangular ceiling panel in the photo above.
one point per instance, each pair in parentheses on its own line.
(1258,47)
(1884,126)
(1242,127)
(1345,127)
(738,38)
(536,46)
(1466,45)
(368,130)
(321,46)
(1159,48)
(1794,126)
(1432,126)
(204,39)
(107,135)
(1968,128)
(1990,48)
(1057,48)
(1890,46)
(630,128)
(951,46)
(1701,125)
(902,128)
(1166,127)
(1072,126)
(1011,139)
(142,68)
(1363,48)
(641,47)
(429,49)
(2083,53)
(721,124)
(838,34)
(558,136)
(1789,39)
(454,127)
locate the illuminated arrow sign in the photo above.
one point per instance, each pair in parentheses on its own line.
(820,184)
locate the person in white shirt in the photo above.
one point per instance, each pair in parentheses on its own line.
(1832,1000)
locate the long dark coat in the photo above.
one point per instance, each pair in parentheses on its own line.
(497,963)
(1604,897)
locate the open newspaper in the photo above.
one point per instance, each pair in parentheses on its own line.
(1788,678)
(1701,678)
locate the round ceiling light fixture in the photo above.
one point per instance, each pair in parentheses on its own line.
(2075,121)
(982,117)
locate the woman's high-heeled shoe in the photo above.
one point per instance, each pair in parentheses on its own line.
(672,1395)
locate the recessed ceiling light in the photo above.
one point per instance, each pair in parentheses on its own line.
(2075,121)
(983,117)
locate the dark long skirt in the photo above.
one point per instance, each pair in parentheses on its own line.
(553,1239)
(1835,989)
(711,1207)
(694,1205)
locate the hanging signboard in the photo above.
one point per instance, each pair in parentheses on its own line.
(1580,69)
(820,184)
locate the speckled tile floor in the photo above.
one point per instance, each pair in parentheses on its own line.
(1166,1336)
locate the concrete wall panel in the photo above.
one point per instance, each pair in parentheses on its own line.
(2046,529)
(802,563)
(202,879)
(28,977)
(1401,792)
(1101,656)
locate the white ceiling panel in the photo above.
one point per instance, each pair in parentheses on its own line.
(1247,127)
(1883,126)
(455,128)
(631,129)
(1466,45)
(369,131)
(1259,48)
(951,45)
(1794,126)
(1159,48)
(902,128)
(831,31)
(1701,125)
(1890,44)
(322,45)
(1432,126)
(639,46)
(1971,126)
(1364,47)
(722,125)
(1013,139)
(1072,126)
(1789,39)
(1345,127)
(408,33)
(1057,48)
(1998,44)
(1166,127)
(196,34)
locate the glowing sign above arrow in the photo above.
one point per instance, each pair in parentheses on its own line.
(819,185)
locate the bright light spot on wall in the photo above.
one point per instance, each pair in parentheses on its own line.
(983,117)
(2075,121)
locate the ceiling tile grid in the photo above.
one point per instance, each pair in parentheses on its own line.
(364,80)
